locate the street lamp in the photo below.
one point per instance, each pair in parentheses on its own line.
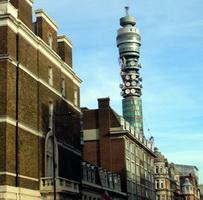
(54,148)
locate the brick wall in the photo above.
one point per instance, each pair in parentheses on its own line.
(24,11)
(34,94)
(91,152)
(65,52)
(118,160)
(44,29)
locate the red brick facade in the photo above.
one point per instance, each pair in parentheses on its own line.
(110,144)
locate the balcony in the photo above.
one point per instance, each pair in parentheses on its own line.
(62,185)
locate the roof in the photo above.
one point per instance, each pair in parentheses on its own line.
(159,156)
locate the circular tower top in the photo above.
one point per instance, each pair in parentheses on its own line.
(128,20)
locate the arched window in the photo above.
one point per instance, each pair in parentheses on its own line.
(49,156)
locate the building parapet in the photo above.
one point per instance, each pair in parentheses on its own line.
(43,14)
(125,126)
(101,177)
(7,8)
(65,39)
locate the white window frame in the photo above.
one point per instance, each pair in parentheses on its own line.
(49,155)
(128,164)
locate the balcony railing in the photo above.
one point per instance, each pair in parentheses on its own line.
(62,185)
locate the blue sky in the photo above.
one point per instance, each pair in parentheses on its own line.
(171,56)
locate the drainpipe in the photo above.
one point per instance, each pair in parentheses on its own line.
(17,97)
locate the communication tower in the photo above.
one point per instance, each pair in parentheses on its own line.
(129,42)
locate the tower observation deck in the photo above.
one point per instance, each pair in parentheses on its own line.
(129,42)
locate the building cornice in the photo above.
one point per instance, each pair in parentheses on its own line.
(64,38)
(127,134)
(45,16)
(30,2)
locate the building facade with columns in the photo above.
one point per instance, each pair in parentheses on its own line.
(40,155)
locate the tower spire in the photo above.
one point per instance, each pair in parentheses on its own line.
(129,42)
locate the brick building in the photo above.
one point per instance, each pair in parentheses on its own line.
(37,82)
(189,181)
(112,143)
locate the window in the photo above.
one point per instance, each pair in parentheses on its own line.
(162,183)
(156,169)
(50,75)
(127,144)
(146,193)
(133,167)
(145,157)
(84,174)
(50,40)
(89,175)
(157,184)
(50,115)
(49,155)
(63,87)
(93,176)
(75,97)
(161,169)
(137,151)
(137,170)
(129,185)
(128,164)
(132,150)
(146,175)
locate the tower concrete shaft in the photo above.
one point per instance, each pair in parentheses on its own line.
(129,42)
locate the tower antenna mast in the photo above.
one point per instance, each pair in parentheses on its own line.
(127,10)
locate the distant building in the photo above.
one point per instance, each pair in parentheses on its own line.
(173,181)
(37,82)
(112,143)
(167,180)
(189,181)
